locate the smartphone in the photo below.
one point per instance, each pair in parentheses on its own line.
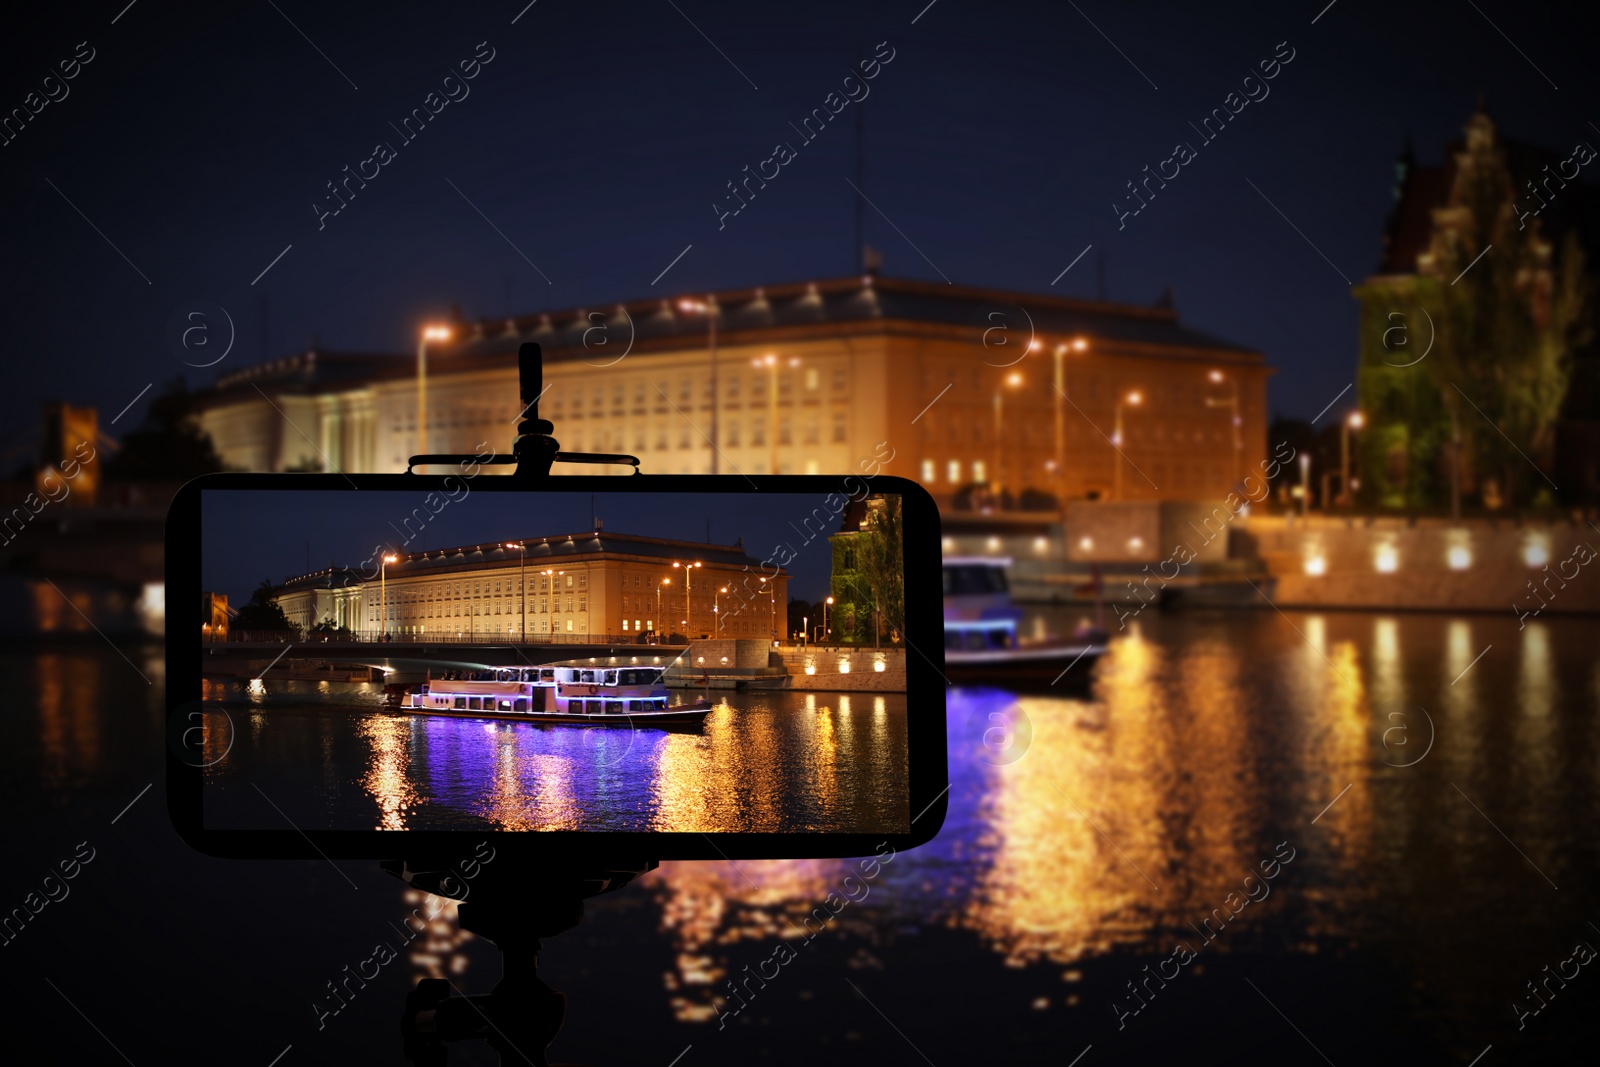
(581,668)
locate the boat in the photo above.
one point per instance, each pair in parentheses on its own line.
(982,642)
(561,693)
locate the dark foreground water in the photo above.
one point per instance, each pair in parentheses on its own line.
(1427,818)
(772,762)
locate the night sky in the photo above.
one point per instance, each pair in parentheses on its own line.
(596,140)
(248,536)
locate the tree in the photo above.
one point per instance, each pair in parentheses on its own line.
(262,613)
(881,561)
(169,445)
(1507,309)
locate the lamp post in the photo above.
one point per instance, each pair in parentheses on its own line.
(688,589)
(657,620)
(772,595)
(716,608)
(709,307)
(1014,380)
(1078,344)
(1354,421)
(1133,399)
(429,333)
(1232,404)
(770,362)
(383,588)
(825,605)
(522,583)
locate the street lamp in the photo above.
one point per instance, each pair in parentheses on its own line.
(383,588)
(429,333)
(1078,344)
(688,588)
(1232,403)
(770,362)
(1133,399)
(716,608)
(825,605)
(1354,421)
(662,582)
(522,583)
(772,596)
(1014,380)
(709,307)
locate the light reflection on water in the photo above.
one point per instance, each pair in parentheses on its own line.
(763,761)
(1206,743)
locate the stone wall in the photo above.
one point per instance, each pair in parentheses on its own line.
(827,673)
(1429,564)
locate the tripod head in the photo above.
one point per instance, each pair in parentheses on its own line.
(535,447)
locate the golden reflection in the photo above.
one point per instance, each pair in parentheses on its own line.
(385,778)
(532,791)
(70,732)
(709,906)
(1534,730)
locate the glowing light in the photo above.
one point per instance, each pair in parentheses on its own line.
(844,666)
(993,544)
(811,668)
(1356,420)
(436,333)
(1040,544)
(1386,559)
(1316,566)
(879,666)
(1135,543)
(1215,376)
(948,544)
(1460,557)
(1536,553)
(1135,398)
(1086,543)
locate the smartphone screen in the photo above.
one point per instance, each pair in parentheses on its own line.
(625,659)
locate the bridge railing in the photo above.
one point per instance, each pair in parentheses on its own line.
(377,637)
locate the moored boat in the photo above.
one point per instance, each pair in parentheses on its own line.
(982,642)
(559,693)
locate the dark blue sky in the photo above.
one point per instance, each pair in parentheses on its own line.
(248,536)
(198,138)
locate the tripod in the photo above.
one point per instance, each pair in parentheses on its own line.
(513,906)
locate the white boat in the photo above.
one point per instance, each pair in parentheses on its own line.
(561,693)
(981,638)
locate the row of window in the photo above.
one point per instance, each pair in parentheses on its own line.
(733,385)
(1181,472)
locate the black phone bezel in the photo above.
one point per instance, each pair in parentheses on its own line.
(927,770)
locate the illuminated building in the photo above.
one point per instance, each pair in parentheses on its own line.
(958,385)
(600,584)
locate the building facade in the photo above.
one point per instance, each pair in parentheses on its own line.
(597,584)
(952,386)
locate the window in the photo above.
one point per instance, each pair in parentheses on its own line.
(583,580)
(953,469)
(583,603)
(813,432)
(841,427)
(684,389)
(841,377)
(929,471)
(731,437)
(569,581)
(758,432)
(733,387)
(812,376)
(569,626)
(980,472)
(624,625)
(783,384)
(569,608)
(785,432)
